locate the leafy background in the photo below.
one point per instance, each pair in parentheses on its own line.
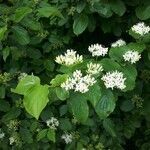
(32,34)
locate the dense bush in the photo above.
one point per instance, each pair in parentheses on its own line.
(95,97)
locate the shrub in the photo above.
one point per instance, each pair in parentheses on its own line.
(74,74)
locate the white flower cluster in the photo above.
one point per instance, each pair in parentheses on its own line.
(22,75)
(12,140)
(53,123)
(118,43)
(69,58)
(114,79)
(141,28)
(2,134)
(132,56)
(94,68)
(78,82)
(98,50)
(67,138)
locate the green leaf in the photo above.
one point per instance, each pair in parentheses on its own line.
(109,64)
(41,134)
(137,47)
(142,12)
(20,13)
(130,73)
(65,124)
(61,93)
(80,24)
(26,135)
(36,99)
(118,7)
(12,114)
(63,110)
(2,91)
(51,135)
(106,104)
(49,65)
(80,6)
(49,11)
(103,9)
(26,84)
(109,127)
(4,106)
(94,94)
(117,53)
(20,35)
(6,52)
(126,105)
(79,106)
(2,32)
(58,80)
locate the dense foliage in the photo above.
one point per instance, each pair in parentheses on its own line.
(42,103)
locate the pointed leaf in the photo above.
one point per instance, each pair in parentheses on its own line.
(80,24)
(106,104)
(94,94)
(26,84)
(20,35)
(109,127)
(20,13)
(36,99)
(51,135)
(79,106)
(2,32)
(61,93)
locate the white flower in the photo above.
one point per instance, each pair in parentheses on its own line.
(67,138)
(22,75)
(89,80)
(69,58)
(141,28)
(132,56)
(53,123)
(78,82)
(98,50)
(11,140)
(93,68)
(114,79)
(81,87)
(77,75)
(118,43)
(68,84)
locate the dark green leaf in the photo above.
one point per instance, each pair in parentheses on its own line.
(106,104)
(80,24)
(49,11)
(2,32)
(142,12)
(118,7)
(20,13)
(127,105)
(109,127)
(79,106)
(94,94)
(42,134)
(20,35)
